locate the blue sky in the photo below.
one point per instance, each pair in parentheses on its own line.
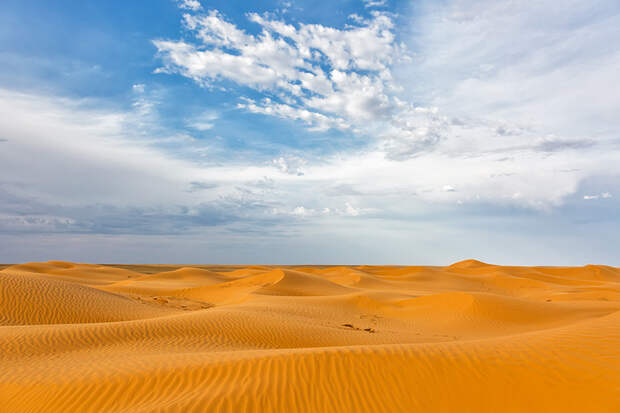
(366,131)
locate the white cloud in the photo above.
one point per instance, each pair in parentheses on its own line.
(139,87)
(204,121)
(325,77)
(208,65)
(143,103)
(375,3)
(476,147)
(193,5)
(290,164)
(84,155)
(305,212)
(535,177)
(529,70)
(315,120)
(301,211)
(329,78)
(351,210)
(94,174)
(89,156)
(603,195)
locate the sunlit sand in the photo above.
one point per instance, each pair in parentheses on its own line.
(469,337)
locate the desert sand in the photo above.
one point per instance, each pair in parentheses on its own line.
(469,337)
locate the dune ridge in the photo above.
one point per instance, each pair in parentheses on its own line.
(470,336)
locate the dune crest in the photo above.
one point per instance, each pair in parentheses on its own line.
(466,264)
(470,336)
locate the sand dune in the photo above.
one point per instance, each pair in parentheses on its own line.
(27,299)
(467,337)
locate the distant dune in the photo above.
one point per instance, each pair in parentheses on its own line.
(469,337)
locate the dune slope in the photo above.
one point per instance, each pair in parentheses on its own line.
(466,337)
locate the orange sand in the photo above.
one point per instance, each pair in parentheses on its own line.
(470,337)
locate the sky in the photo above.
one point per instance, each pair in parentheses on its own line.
(310,132)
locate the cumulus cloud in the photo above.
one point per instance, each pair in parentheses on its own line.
(193,5)
(316,121)
(356,79)
(325,77)
(414,131)
(283,58)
